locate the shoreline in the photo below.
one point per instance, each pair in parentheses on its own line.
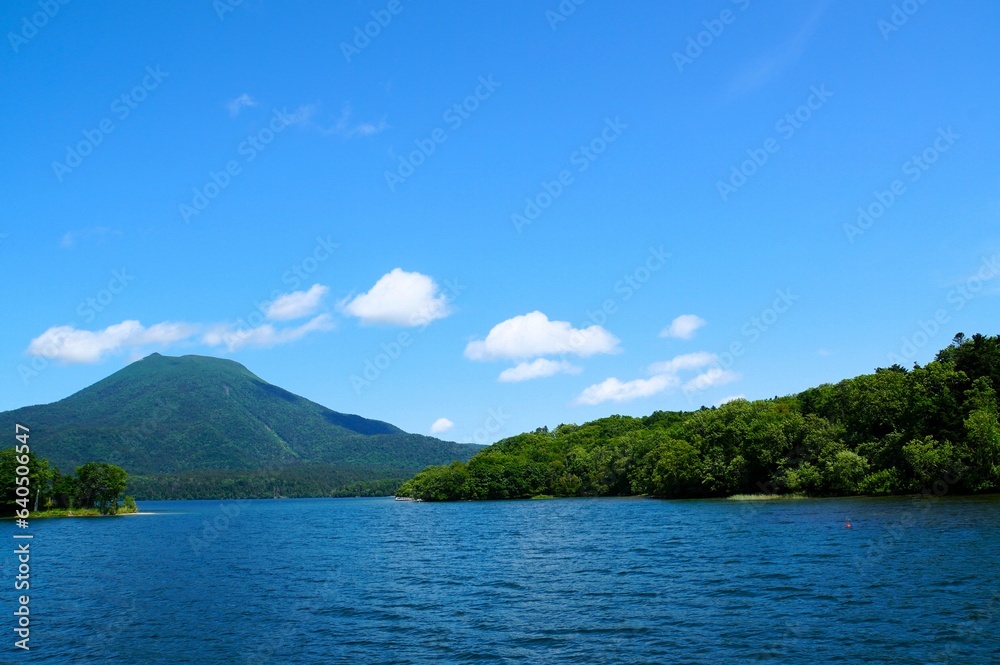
(91,512)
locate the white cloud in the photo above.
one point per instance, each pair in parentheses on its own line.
(70,345)
(665,375)
(347,129)
(441,425)
(622,391)
(344,127)
(71,238)
(400,298)
(303,115)
(537,369)
(167,332)
(713,378)
(683,327)
(296,304)
(238,104)
(682,362)
(234,337)
(530,335)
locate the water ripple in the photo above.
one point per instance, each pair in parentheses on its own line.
(563,581)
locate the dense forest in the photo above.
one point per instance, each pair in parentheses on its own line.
(931,429)
(96,486)
(284,482)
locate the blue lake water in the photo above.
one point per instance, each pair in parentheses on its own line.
(558,581)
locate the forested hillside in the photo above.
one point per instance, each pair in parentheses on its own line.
(932,428)
(203,427)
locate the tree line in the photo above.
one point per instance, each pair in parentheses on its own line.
(95,486)
(295,481)
(931,428)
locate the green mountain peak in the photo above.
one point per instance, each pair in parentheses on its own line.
(192,414)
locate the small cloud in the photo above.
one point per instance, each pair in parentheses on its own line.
(167,333)
(302,115)
(235,337)
(71,238)
(537,369)
(368,128)
(665,375)
(614,390)
(824,352)
(241,102)
(713,378)
(684,362)
(533,334)
(441,425)
(297,304)
(346,129)
(683,327)
(70,345)
(399,298)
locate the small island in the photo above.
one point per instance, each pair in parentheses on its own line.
(932,429)
(96,489)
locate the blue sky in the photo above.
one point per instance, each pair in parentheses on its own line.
(485,219)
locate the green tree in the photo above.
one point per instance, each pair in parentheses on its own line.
(63,490)
(805,478)
(976,356)
(674,470)
(39,481)
(846,471)
(982,436)
(930,461)
(100,485)
(806,464)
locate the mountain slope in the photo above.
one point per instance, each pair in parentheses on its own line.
(176,415)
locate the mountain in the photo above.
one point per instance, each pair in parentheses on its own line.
(202,427)
(933,429)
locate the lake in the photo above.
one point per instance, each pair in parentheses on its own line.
(912,580)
